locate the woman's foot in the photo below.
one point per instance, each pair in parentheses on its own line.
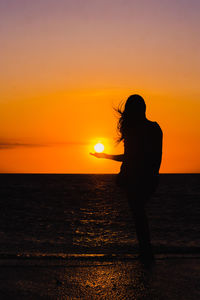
(147,259)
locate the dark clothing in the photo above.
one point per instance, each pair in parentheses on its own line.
(142,158)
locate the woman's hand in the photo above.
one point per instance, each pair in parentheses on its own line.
(99,155)
(119,157)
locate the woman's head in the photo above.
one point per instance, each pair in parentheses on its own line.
(133,113)
(135,107)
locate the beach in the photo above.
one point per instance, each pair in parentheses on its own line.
(172,278)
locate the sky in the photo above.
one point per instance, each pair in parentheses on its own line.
(65,65)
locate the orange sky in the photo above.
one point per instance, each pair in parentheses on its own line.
(65,64)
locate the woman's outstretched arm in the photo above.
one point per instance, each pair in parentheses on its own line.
(119,157)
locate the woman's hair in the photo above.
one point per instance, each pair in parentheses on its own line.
(134,111)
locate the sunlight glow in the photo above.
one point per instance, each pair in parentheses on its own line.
(99,147)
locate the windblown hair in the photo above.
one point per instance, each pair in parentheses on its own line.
(133,112)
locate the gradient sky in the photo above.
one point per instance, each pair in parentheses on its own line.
(65,64)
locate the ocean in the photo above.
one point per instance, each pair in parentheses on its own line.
(68,215)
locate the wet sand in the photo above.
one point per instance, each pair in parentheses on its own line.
(96,278)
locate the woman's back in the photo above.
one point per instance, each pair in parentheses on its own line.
(142,149)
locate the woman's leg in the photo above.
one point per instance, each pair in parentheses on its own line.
(137,205)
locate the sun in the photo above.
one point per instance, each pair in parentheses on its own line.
(99,147)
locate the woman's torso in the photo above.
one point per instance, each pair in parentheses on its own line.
(142,154)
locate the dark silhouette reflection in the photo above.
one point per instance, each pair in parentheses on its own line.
(141,161)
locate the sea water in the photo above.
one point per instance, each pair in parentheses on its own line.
(70,214)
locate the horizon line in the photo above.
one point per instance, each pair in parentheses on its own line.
(60,173)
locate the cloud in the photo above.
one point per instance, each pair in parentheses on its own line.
(12,145)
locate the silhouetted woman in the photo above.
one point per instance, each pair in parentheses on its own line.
(140,165)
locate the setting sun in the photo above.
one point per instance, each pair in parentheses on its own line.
(99,147)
